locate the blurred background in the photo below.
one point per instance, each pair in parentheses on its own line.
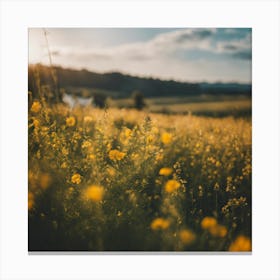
(200,71)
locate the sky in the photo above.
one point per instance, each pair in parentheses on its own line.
(181,54)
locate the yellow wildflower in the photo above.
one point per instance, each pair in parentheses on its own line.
(125,135)
(71,189)
(63,165)
(135,156)
(218,231)
(94,193)
(165,171)
(166,138)
(76,136)
(45,129)
(45,181)
(64,151)
(159,157)
(109,146)
(91,156)
(111,171)
(127,132)
(88,119)
(241,244)
(171,186)
(218,164)
(70,121)
(154,130)
(86,144)
(30,200)
(208,222)
(36,107)
(159,223)
(150,138)
(76,178)
(116,155)
(36,123)
(187,236)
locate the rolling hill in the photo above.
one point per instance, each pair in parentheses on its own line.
(118,85)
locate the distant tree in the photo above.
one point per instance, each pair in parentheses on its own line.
(100,100)
(138,98)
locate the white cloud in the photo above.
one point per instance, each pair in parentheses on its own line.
(163,44)
(239,48)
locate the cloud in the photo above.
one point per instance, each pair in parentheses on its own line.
(161,45)
(196,35)
(237,48)
(246,55)
(166,44)
(183,39)
(230,47)
(161,56)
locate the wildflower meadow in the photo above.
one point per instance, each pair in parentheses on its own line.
(131,180)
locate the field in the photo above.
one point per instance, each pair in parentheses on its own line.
(219,105)
(128,180)
(210,106)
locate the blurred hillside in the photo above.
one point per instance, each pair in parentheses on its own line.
(117,85)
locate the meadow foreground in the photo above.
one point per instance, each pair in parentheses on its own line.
(127,180)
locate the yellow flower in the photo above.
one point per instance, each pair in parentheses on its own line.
(45,181)
(88,119)
(186,236)
(108,146)
(150,138)
(218,231)
(65,151)
(76,178)
(91,156)
(70,121)
(208,222)
(127,132)
(241,244)
(159,223)
(87,145)
(36,107)
(30,200)
(165,171)
(171,186)
(116,155)
(125,135)
(36,123)
(154,130)
(94,193)
(218,163)
(166,138)
(111,171)
(159,157)
(70,190)
(76,136)
(63,165)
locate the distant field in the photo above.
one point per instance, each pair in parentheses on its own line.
(219,105)
(215,107)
